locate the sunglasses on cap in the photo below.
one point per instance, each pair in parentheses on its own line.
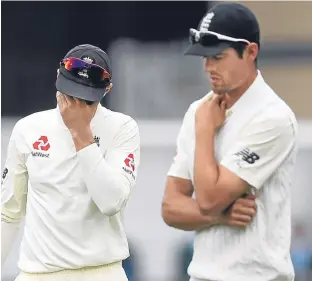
(89,71)
(210,38)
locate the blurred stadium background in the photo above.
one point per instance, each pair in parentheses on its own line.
(155,83)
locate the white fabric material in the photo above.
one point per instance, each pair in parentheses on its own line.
(75,201)
(112,272)
(8,235)
(257,142)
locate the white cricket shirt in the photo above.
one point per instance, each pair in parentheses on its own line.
(258,143)
(75,200)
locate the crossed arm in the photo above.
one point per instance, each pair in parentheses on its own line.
(180,210)
(220,188)
(216,187)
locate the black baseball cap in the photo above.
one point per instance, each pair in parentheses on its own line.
(79,86)
(224,24)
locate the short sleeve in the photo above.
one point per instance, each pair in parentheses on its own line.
(180,165)
(261,148)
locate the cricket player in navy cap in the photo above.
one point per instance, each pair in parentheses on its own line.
(235,153)
(71,170)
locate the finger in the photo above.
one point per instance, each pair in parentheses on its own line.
(70,100)
(66,100)
(216,98)
(238,224)
(223,106)
(77,101)
(243,205)
(245,211)
(245,202)
(251,196)
(241,217)
(60,100)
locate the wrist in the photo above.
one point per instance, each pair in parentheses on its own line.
(204,137)
(81,133)
(82,138)
(205,129)
(222,220)
(214,220)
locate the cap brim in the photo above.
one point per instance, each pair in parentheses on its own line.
(74,89)
(206,51)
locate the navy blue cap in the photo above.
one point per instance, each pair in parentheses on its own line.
(223,24)
(75,86)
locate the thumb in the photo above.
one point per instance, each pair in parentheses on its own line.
(216,98)
(251,196)
(223,105)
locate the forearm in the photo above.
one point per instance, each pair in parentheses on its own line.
(82,138)
(184,214)
(8,235)
(108,188)
(206,171)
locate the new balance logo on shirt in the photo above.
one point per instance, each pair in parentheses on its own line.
(97,140)
(248,156)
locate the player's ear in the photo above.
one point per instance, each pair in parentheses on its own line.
(108,88)
(252,51)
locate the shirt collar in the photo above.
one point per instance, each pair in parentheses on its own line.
(250,96)
(246,98)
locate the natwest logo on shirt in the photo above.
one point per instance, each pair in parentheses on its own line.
(129,161)
(129,165)
(42,144)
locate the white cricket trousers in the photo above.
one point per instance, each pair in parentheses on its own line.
(111,272)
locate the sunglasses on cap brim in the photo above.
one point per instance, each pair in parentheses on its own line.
(210,38)
(89,71)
